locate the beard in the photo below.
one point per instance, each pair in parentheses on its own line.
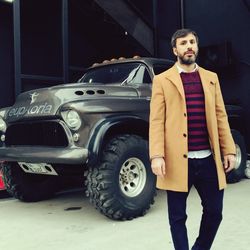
(188,60)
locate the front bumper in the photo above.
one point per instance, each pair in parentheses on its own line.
(72,155)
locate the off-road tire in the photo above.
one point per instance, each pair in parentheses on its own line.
(27,187)
(241,158)
(105,181)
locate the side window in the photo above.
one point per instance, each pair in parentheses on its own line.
(146,77)
(139,75)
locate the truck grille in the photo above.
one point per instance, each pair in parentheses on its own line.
(46,133)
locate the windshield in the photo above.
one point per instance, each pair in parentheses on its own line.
(124,73)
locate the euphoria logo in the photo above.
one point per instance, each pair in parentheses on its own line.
(43,109)
(33,97)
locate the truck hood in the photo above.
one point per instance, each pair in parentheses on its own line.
(47,101)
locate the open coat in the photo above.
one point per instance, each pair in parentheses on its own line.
(168,127)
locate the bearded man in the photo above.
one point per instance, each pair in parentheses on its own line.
(188,132)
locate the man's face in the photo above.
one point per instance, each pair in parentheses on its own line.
(186,49)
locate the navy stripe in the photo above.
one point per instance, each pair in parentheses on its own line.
(204,143)
(188,99)
(196,106)
(195,136)
(196,114)
(196,121)
(201,129)
(196,148)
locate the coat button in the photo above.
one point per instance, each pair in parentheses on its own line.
(185,156)
(185,114)
(185,135)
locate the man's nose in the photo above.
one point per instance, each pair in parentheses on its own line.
(189,45)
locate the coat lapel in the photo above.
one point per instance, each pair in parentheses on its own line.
(174,77)
(206,81)
(208,86)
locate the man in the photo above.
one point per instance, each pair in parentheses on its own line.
(188,133)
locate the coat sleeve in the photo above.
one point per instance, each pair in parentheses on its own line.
(227,144)
(157,120)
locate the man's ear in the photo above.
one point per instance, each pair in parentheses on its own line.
(175,51)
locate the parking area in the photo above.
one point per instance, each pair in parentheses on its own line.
(69,222)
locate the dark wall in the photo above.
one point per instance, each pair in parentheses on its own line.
(145,7)
(41,42)
(6,52)
(41,49)
(168,20)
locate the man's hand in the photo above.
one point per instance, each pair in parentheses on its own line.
(158,166)
(229,163)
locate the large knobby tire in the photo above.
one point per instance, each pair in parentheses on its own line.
(122,185)
(241,158)
(27,187)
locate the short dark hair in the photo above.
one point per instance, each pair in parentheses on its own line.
(182,33)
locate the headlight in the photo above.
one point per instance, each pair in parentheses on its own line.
(2,125)
(72,119)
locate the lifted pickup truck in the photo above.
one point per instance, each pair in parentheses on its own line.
(97,128)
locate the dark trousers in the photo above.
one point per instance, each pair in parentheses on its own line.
(203,176)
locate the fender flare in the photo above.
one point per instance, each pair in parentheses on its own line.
(101,128)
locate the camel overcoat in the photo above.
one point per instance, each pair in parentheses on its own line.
(168,135)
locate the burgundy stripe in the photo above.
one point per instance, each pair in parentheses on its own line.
(196,133)
(198,117)
(195,102)
(195,95)
(195,110)
(197,125)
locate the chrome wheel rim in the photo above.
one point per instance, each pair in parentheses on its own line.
(238,157)
(132,177)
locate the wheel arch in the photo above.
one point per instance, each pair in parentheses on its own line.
(112,126)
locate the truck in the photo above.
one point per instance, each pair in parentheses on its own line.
(96,130)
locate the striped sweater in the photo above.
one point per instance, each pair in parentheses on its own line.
(195,101)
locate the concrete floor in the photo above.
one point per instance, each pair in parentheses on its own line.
(69,222)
